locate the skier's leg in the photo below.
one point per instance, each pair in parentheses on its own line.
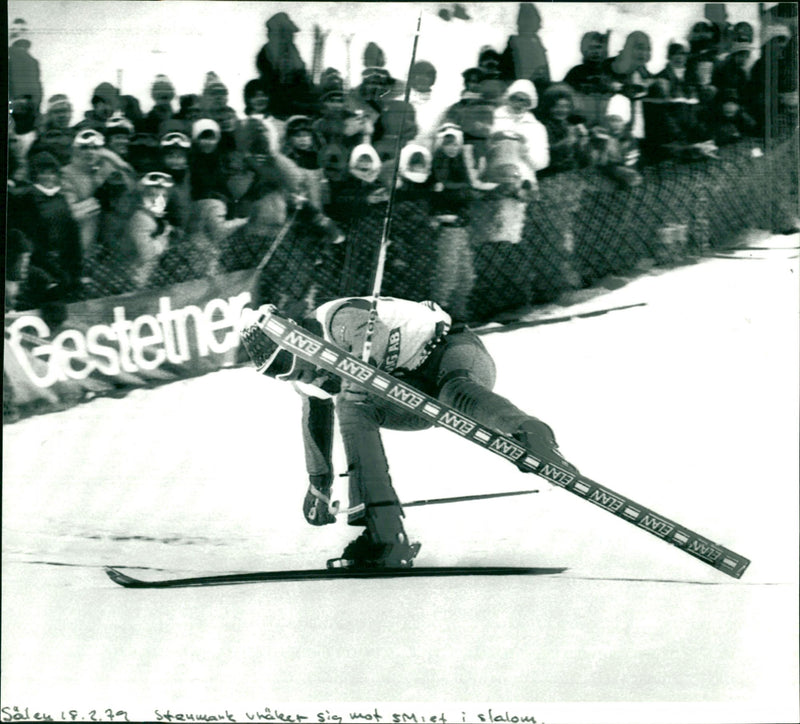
(385,542)
(465,378)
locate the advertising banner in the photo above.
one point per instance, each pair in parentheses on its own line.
(115,344)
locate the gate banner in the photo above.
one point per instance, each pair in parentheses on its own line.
(115,344)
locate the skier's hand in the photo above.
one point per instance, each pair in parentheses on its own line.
(317,501)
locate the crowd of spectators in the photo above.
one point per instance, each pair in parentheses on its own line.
(123,199)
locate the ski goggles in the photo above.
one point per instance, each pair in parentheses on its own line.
(89,139)
(157,179)
(175,139)
(119,123)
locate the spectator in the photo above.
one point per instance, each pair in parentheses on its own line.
(118,134)
(474,115)
(162,92)
(396,126)
(492,86)
(81,178)
(613,149)
(25,133)
(629,75)
(105,100)
(24,77)
(130,107)
(108,263)
(205,158)
(339,125)
(149,232)
(42,214)
(731,73)
(143,153)
(191,110)
(672,130)
(367,97)
(515,117)
(674,72)
(729,119)
(452,180)
(302,146)
(174,147)
(256,107)
(525,56)
(427,110)
(58,114)
(588,77)
(283,72)
(703,42)
(18,259)
(568,141)
(215,106)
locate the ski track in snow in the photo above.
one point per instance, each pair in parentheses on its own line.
(686,402)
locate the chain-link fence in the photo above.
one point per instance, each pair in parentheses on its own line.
(504,253)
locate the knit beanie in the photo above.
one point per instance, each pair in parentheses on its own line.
(213,83)
(57,101)
(162,84)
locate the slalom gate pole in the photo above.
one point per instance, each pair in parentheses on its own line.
(387,220)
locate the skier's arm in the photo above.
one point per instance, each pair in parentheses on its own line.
(318,417)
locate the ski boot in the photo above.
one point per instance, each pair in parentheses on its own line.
(384,543)
(538,437)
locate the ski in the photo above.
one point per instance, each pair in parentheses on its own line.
(327,574)
(299,341)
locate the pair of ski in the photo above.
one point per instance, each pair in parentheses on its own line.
(290,336)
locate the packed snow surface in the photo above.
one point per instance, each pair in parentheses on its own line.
(682,396)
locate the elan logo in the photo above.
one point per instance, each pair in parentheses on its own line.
(556,475)
(507,449)
(606,500)
(457,423)
(706,551)
(656,525)
(354,369)
(299,342)
(406,396)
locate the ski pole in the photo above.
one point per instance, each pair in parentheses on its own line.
(334,509)
(387,220)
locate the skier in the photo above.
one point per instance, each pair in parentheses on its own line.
(413,341)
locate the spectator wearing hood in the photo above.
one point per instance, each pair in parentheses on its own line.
(24,76)
(412,253)
(42,215)
(163,93)
(628,75)
(283,72)
(612,148)
(81,178)
(205,158)
(525,56)
(516,116)
(105,100)
(427,110)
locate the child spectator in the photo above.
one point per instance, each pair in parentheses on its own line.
(338,124)
(302,146)
(613,149)
(426,110)
(42,214)
(118,133)
(58,114)
(149,232)
(525,56)
(215,106)
(205,158)
(515,117)
(162,92)
(568,141)
(256,107)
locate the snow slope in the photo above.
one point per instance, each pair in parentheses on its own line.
(685,400)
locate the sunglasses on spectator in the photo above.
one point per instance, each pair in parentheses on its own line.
(156,178)
(175,139)
(89,139)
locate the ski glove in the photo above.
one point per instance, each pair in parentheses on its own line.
(317,501)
